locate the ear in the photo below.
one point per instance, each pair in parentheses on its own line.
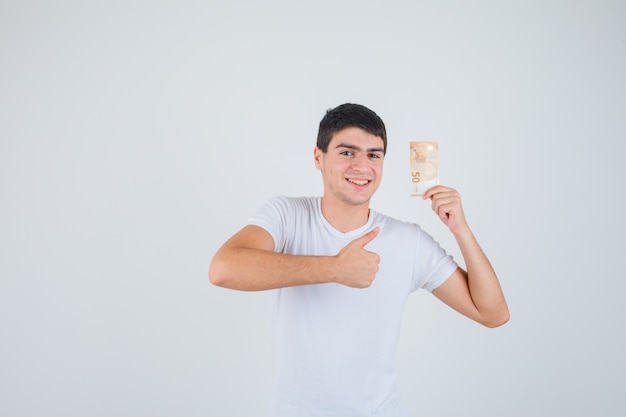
(317,157)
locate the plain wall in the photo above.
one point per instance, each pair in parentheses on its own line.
(137,136)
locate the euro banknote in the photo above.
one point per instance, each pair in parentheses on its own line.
(424,166)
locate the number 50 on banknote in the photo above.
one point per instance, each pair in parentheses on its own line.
(424,166)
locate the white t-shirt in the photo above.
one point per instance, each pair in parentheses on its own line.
(334,346)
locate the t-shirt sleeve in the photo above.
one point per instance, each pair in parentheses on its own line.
(433,266)
(273,216)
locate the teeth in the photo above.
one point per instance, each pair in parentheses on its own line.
(358,182)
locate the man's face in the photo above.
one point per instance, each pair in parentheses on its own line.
(352,167)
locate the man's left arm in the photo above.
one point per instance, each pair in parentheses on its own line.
(475,293)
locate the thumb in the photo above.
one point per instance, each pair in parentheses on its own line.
(368,237)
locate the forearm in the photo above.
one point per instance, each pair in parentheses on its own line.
(483,284)
(249,269)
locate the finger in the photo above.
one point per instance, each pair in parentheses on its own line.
(437,189)
(444,208)
(368,237)
(444,211)
(444,194)
(441,200)
(429,193)
(445,198)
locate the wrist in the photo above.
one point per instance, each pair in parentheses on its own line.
(463,233)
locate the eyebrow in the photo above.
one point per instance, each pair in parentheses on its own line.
(356,148)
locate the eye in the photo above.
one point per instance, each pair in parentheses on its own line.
(375,156)
(346,153)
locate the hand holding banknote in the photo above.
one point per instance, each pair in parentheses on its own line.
(446,203)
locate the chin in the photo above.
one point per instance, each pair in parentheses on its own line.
(357,201)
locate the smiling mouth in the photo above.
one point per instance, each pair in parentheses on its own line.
(358,182)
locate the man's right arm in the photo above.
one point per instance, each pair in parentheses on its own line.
(247,262)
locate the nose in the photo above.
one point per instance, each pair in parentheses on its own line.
(360,162)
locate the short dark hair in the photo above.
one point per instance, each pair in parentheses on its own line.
(349,115)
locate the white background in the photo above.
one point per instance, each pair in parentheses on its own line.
(137,136)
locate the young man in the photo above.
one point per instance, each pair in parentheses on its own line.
(343,272)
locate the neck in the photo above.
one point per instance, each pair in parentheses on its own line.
(345,217)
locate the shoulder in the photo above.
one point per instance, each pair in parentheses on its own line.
(287,209)
(396,230)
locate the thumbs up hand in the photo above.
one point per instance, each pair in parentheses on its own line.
(356,266)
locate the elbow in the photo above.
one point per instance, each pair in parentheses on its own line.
(215,279)
(497,320)
(227,274)
(217,276)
